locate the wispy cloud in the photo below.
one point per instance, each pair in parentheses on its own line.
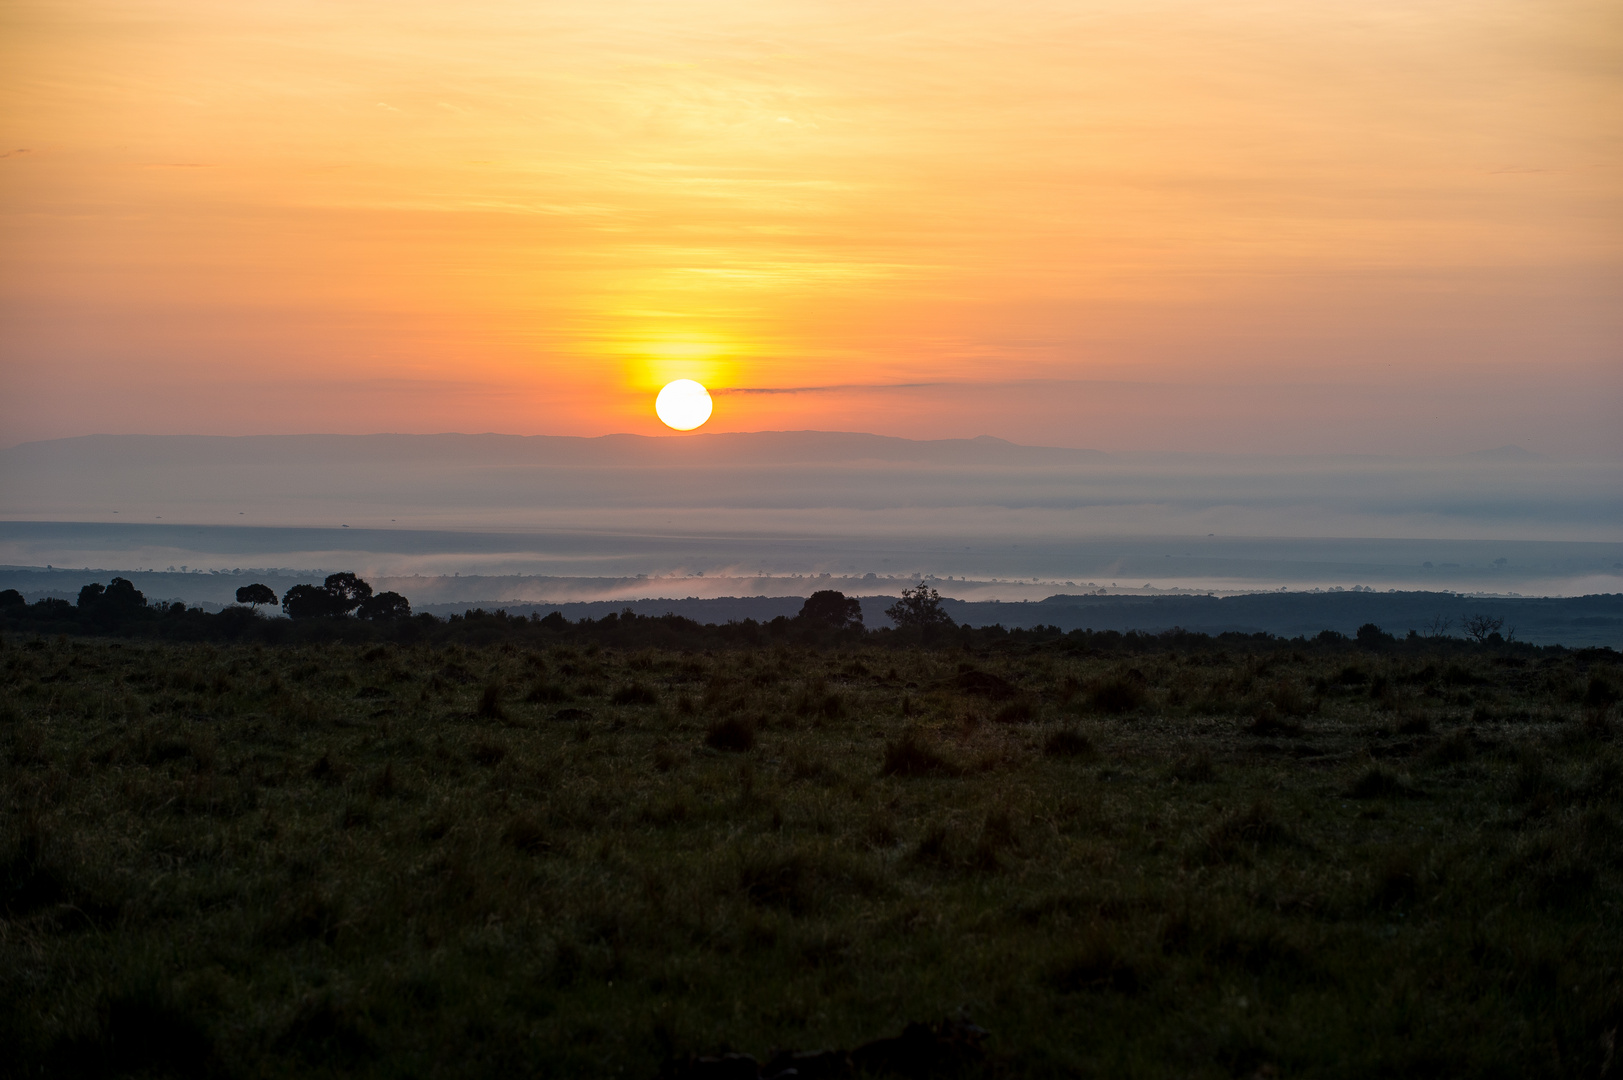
(829,389)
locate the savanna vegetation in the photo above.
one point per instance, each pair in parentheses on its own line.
(501,846)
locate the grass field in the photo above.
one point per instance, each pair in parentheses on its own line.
(392,860)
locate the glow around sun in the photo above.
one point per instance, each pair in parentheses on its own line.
(683,404)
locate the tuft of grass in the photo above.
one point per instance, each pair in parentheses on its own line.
(490,703)
(634,694)
(543,692)
(912,754)
(1245,834)
(1015,712)
(1458,747)
(1270,723)
(523,832)
(1379,782)
(488,754)
(1194,769)
(1069,742)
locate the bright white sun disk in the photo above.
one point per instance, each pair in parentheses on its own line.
(683,405)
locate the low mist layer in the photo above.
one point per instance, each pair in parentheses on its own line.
(557,519)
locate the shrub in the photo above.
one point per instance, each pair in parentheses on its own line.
(919,606)
(1289,699)
(1268,722)
(778,879)
(1096,965)
(1254,829)
(1371,636)
(1117,694)
(1600,693)
(797,880)
(985,684)
(1015,712)
(735,733)
(634,694)
(524,833)
(1195,769)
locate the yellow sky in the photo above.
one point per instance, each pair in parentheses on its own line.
(927,219)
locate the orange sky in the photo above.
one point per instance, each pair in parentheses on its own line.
(1277,226)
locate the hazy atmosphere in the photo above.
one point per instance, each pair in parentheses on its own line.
(705,540)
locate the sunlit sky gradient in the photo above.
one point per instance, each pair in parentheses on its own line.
(1368,226)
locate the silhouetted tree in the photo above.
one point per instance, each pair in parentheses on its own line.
(256,595)
(347,590)
(12,598)
(385,605)
(340,594)
(307,602)
(1480,628)
(919,606)
(123,595)
(832,609)
(118,598)
(1371,636)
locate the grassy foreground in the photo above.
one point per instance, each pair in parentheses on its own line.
(444,861)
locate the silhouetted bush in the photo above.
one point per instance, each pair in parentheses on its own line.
(1120,693)
(1482,628)
(911,755)
(490,703)
(1068,742)
(1371,636)
(919,607)
(831,609)
(735,733)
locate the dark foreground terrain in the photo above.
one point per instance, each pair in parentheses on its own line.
(571,857)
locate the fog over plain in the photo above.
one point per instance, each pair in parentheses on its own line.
(771,505)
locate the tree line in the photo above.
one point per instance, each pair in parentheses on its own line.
(340,596)
(343,608)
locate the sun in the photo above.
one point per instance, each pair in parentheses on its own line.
(683,405)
